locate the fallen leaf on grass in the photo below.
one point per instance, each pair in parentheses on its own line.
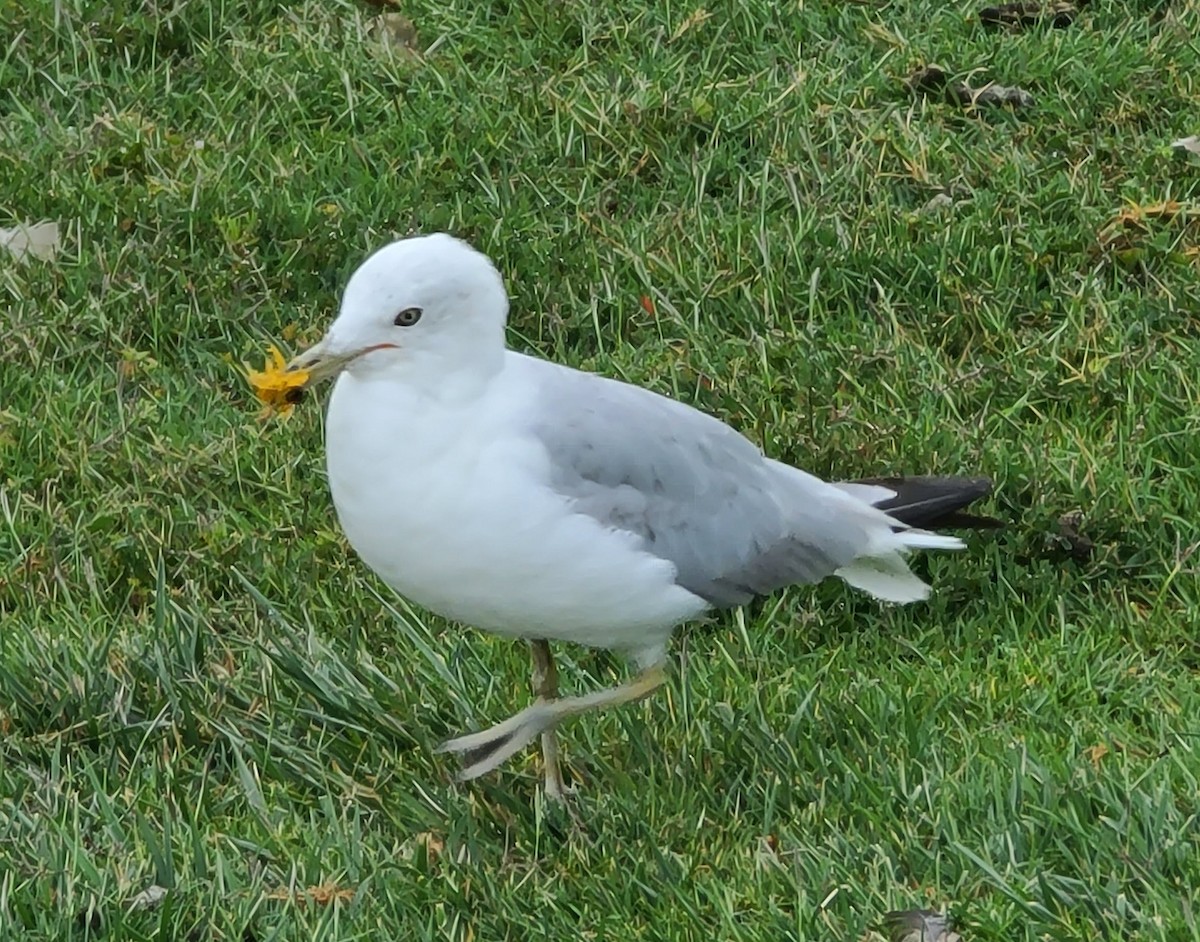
(920,925)
(1135,216)
(1130,236)
(39,239)
(993,94)
(1058,13)
(1078,545)
(933,79)
(149,898)
(322,895)
(938,203)
(1189,145)
(394,32)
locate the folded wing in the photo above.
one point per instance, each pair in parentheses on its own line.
(734,523)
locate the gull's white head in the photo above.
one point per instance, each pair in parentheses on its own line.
(423,304)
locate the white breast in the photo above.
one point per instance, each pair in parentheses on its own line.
(450,507)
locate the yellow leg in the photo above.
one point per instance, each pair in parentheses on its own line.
(481,752)
(545,686)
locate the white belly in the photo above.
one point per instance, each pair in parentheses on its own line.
(462,524)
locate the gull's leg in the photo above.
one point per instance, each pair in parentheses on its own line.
(487,750)
(545,686)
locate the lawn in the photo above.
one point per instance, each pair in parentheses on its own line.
(747,207)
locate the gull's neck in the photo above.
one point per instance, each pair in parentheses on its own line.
(414,402)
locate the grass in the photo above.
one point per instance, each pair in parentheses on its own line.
(200,686)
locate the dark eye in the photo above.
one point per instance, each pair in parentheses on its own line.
(408,317)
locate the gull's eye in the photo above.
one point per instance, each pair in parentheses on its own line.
(408,317)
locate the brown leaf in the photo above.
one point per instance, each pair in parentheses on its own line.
(1136,213)
(1078,545)
(1016,16)
(993,94)
(39,240)
(1135,217)
(933,80)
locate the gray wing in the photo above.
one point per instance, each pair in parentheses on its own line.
(697,493)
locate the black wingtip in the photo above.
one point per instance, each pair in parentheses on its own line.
(935,501)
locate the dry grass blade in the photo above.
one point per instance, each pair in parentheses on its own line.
(324,894)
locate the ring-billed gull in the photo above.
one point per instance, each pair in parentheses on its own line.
(537,501)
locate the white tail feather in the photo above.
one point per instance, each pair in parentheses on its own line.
(886,577)
(882,571)
(923,539)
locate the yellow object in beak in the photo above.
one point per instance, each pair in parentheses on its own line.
(277,386)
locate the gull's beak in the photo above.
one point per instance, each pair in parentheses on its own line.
(319,362)
(322,363)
